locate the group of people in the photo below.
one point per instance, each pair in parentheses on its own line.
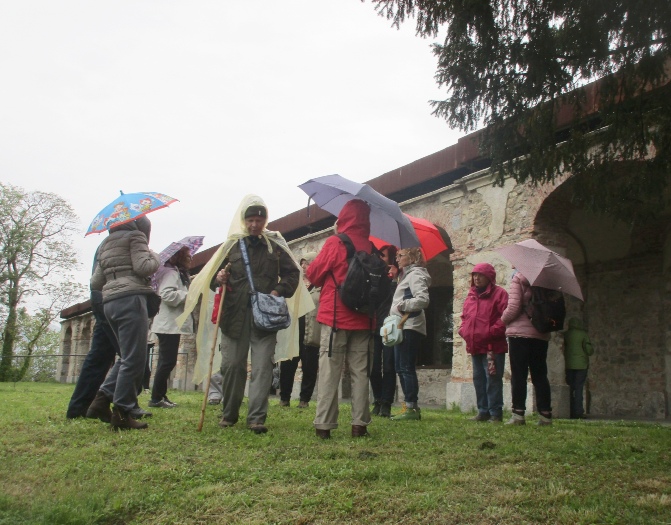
(494,322)
(254,258)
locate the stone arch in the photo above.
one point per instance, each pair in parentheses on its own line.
(621,269)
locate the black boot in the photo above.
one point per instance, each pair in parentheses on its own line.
(385,409)
(100,408)
(122,420)
(376,409)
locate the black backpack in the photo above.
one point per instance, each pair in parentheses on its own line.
(367,282)
(546,310)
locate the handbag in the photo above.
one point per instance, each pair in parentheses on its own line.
(270,312)
(392,329)
(153,304)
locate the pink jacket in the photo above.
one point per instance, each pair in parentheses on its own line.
(354,221)
(481,325)
(515,317)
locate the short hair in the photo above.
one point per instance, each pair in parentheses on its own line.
(416,256)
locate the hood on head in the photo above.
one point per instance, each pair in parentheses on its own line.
(485,269)
(142,224)
(574,322)
(248,201)
(354,218)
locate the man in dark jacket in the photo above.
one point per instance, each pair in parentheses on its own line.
(353,339)
(274,272)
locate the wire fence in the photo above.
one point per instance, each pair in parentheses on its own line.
(44,367)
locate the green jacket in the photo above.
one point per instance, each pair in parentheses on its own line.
(577,346)
(270,271)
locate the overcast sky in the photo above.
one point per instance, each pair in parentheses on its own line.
(207,101)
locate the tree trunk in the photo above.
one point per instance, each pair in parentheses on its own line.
(8,337)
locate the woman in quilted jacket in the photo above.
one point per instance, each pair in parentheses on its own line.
(485,337)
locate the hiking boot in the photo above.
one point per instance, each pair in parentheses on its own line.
(226,424)
(122,420)
(385,409)
(516,419)
(303,404)
(410,414)
(138,413)
(284,403)
(257,428)
(323,433)
(544,421)
(160,404)
(359,431)
(480,417)
(100,408)
(375,411)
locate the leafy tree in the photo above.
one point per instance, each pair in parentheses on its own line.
(520,67)
(37,264)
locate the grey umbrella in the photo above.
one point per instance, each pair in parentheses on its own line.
(387,221)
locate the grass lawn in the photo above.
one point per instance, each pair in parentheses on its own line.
(443,469)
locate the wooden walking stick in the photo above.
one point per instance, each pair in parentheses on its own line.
(214,344)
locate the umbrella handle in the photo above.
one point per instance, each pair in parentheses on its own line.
(309,199)
(209,374)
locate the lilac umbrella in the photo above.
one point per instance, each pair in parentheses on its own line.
(387,221)
(543,267)
(193,243)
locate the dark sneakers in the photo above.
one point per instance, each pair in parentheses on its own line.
(163,403)
(100,408)
(138,413)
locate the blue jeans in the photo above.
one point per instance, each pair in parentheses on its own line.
(97,363)
(405,356)
(575,379)
(488,388)
(383,374)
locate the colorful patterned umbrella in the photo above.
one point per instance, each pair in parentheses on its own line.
(193,243)
(126,208)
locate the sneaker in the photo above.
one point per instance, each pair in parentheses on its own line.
(138,413)
(516,419)
(496,419)
(544,421)
(480,417)
(410,414)
(303,404)
(257,428)
(165,398)
(160,404)
(284,403)
(213,401)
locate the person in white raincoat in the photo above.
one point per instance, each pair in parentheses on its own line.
(275,271)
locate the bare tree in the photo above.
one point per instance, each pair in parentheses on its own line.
(37,263)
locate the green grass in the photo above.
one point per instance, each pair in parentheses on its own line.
(444,469)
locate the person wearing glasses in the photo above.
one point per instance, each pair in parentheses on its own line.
(411,297)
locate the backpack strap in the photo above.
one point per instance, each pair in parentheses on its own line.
(349,246)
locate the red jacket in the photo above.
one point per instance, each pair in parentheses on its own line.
(354,221)
(481,326)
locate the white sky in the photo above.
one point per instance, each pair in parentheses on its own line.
(207,101)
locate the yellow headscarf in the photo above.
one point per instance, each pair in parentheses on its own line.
(300,304)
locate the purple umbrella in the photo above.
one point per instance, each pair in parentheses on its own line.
(193,243)
(387,221)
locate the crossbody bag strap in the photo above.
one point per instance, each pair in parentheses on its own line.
(245,258)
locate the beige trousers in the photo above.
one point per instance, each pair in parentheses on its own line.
(355,346)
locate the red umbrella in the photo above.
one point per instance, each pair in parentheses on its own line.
(433,239)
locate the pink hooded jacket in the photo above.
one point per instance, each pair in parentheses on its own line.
(515,317)
(354,221)
(481,325)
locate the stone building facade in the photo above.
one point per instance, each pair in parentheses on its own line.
(624,271)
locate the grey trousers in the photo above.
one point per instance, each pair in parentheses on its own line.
(127,316)
(215,393)
(234,354)
(356,346)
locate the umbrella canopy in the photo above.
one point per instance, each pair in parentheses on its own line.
(432,239)
(387,221)
(126,208)
(193,243)
(543,267)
